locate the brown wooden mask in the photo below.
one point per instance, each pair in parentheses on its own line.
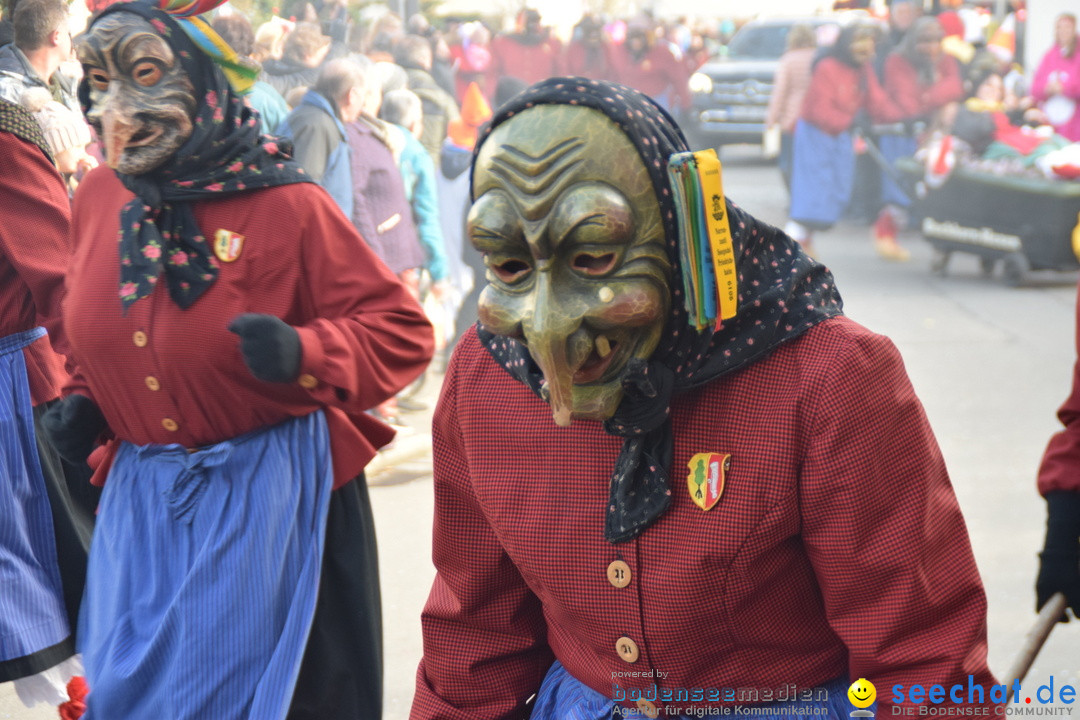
(571,232)
(142,102)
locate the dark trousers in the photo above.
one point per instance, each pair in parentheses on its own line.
(341,673)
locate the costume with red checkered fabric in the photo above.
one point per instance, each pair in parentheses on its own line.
(836,548)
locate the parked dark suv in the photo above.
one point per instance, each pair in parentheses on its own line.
(730,92)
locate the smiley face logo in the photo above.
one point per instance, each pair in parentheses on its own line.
(862,693)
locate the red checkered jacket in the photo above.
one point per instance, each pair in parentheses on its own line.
(836,549)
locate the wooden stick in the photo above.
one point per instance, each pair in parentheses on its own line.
(1044,624)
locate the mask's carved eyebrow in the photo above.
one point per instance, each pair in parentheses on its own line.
(527,176)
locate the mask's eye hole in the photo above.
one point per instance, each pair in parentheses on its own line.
(146,73)
(99,80)
(510,271)
(591,264)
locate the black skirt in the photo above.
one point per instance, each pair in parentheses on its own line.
(341,673)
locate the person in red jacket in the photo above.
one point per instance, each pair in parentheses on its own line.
(650,67)
(1059,484)
(925,84)
(47,506)
(531,54)
(843,90)
(630,512)
(231,328)
(590,53)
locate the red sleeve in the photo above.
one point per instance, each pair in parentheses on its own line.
(485,647)
(902,86)
(948,88)
(873,482)
(830,103)
(1060,468)
(881,106)
(34,231)
(369,338)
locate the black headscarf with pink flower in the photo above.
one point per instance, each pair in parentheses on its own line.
(224,155)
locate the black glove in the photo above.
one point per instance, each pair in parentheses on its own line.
(1059,562)
(271,347)
(73,426)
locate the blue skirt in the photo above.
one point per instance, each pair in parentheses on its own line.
(32,614)
(822,176)
(203,575)
(563,697)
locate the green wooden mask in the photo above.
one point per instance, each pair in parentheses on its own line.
(570,228)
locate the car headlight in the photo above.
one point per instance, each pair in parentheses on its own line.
(700,83)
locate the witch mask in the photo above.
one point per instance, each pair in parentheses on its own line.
(142,102)
(570,228)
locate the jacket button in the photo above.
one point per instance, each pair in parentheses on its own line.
(139,338)
(618,574)
(627,649)
(152,383)
(170,425)
(308,382)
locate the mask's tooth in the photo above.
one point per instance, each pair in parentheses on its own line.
(603,347)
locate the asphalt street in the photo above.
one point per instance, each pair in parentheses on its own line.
(991,364)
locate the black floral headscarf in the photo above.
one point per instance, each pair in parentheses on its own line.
(782,293)
(225,154)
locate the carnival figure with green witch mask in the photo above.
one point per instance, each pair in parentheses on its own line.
(231,328)
(583,570)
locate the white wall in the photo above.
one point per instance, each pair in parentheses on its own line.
(1039,35)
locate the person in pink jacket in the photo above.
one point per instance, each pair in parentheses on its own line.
(1056,85)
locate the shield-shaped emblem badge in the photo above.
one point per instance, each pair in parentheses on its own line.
(706,478)
(227,245)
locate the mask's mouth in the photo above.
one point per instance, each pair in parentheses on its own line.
(599,360)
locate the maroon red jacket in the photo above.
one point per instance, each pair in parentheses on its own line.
(165,375)
(1060,468)
(836,548)
(838,91)
(915,100)
(658,74)
(34,254)
(599,64)
(527,62)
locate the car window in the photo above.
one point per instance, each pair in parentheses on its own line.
(759,42)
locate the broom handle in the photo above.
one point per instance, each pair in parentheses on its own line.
(1044,625)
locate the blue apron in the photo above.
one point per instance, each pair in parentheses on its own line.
(203,575)
(564,697)
(822,175)
(32,614)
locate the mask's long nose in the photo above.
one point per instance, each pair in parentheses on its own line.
(554,340)
(117,132)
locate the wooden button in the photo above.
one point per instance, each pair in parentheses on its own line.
(152,383)
(139,338)
(618,574)
(627,649)
(170,425)
(308,382)
(647,708)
